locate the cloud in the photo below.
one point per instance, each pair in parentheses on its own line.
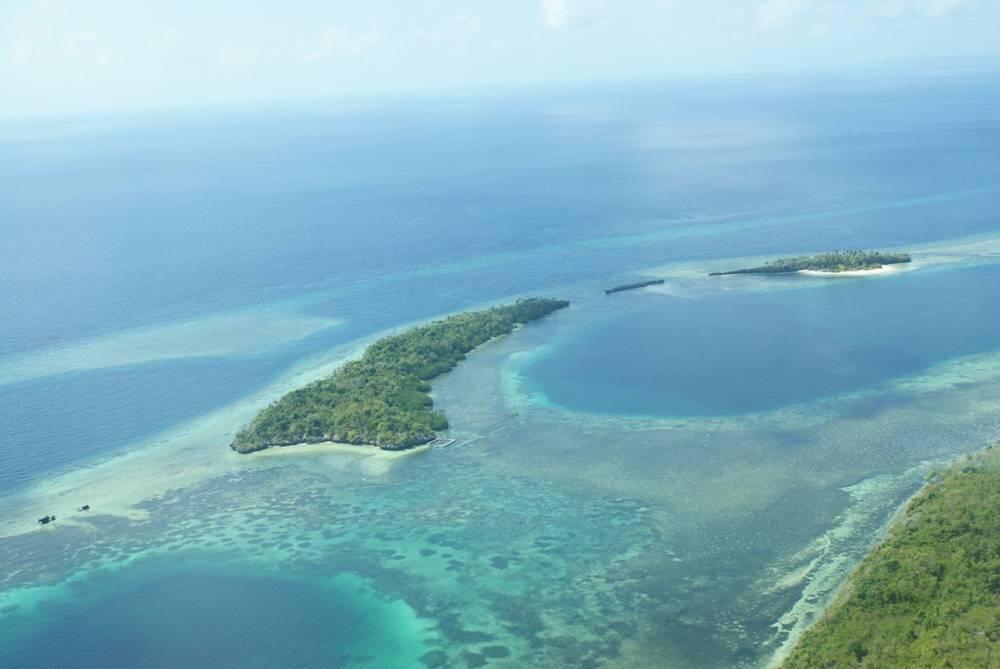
(334,41)
(948,7)
(453,33)
(886,9)
(564,14)
(467,26)
(780,13)
(894,9)
(237,55)
(164,40)
(42,36)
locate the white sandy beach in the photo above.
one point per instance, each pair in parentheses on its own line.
(370,460)
(878,271)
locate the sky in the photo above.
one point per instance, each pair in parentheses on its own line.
(81,56)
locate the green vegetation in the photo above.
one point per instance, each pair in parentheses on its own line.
(929,595)
(633,286)
(837,261)
(382,398)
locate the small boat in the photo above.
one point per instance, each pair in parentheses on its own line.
(45,520)
(85,507)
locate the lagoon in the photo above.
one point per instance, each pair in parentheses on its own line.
(729,353)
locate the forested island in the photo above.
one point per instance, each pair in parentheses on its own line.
(633,286)
(834,262)
(929,595)
(382,399)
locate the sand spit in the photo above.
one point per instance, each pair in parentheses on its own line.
(246,332)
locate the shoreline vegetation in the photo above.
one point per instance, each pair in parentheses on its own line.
(835,262)
(633,286)
(928,595)
(382,399)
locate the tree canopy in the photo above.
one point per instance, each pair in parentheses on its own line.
(835,261)
(928,597)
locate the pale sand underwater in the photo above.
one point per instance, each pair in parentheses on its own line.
(175,459)
(239,333)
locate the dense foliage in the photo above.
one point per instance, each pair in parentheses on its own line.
(382,398)
(929,595)
(836,261)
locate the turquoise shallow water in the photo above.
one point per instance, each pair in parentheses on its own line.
(544,538)
(639,517)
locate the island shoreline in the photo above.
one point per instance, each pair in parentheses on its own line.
(383,400)
(844,263)
(852,273)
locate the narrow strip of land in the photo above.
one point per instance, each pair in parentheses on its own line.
(382,399)
(633,286)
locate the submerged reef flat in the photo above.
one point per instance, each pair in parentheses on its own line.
(545,536)
(929,595)
(382,399)
(834,263)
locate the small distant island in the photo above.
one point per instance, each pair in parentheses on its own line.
(633,286)
(835,262)
(382,399)
(929,594)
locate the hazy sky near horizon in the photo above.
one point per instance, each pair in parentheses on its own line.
(68,56)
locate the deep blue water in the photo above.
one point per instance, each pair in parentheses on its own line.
(733,353)
(237,208)
(399,211)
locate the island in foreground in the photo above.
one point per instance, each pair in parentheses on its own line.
(382,399)
(835,262)
(928,596)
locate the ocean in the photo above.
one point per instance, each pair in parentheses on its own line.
(673,477)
